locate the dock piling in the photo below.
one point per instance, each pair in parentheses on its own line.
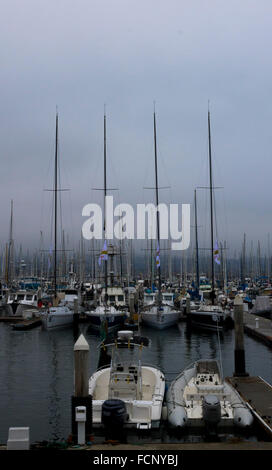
(81,397)
(188,304)
(239,352)
(76,312)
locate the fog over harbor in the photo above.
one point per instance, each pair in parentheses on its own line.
(82,55)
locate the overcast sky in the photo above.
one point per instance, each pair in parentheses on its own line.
(126,53)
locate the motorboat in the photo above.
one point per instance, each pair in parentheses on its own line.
(199,397)
(126,388)
(19,301)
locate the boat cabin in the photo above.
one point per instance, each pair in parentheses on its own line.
(116,296)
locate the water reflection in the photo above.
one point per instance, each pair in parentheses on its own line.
(36,370)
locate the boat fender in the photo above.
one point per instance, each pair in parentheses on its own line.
(242,417)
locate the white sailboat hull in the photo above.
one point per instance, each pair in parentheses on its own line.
(114,318)
(164,319)
(57,317)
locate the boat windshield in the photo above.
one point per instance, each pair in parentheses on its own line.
(126,355)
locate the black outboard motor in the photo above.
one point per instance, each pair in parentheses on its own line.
(114,415)
(211,412)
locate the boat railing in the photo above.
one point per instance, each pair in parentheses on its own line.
(121,344)
(128,363)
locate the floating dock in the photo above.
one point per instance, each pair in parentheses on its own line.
(260,329)
(27,324)
(257,393)
(10,319)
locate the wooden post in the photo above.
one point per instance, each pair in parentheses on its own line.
(188,304)
(131,306)
(81,395)
(76,314)
(188,311)
(81,356)
(239,352)
(75,306)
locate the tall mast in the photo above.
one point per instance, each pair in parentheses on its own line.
(93,260)
(211,205)
(243,260)
(259,258)
(196,242)
(157,202)
(169,260)
(41,259)
(9,266)
(56,208)
(105,194)
(121,263)
(225,268)
(64,259)
(268,259)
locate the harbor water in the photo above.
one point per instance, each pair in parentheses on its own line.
(36,370)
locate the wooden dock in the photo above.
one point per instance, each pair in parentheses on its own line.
(27,324)
(264,330)
(10,319)
(257,393)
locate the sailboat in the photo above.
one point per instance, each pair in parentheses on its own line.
(160,315)
(105,316)
(209,316)
(59,314)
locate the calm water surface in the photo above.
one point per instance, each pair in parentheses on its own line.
(36,370)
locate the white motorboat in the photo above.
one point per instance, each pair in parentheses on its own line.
(200,397)
(127,388)
(21,300)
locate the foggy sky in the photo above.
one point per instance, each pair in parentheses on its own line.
(80,55)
